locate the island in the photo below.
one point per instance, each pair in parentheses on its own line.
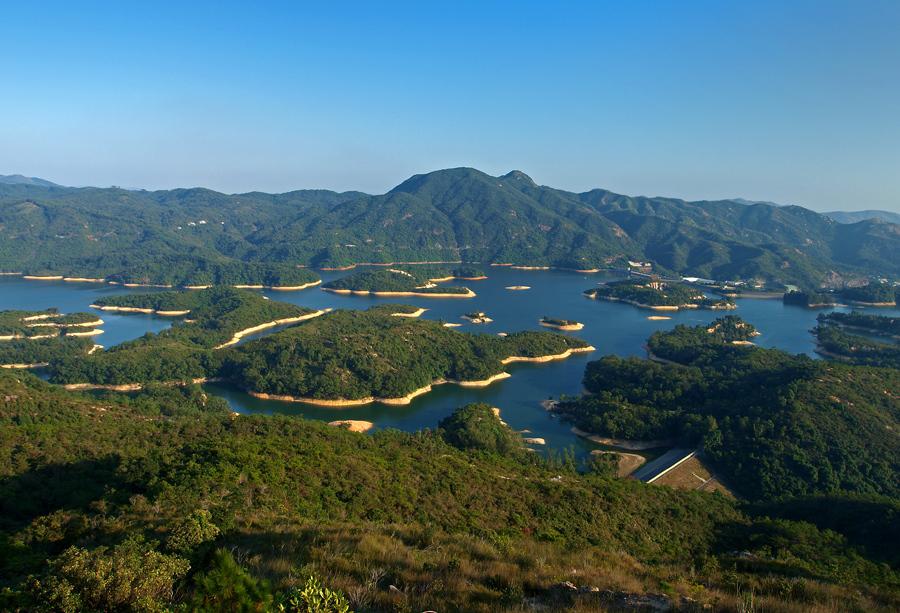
(657,295)
(380,358)
(394,283)
(859,338)
(190,349)
(477,317)
(560,324)
(32,339)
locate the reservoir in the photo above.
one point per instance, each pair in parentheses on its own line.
(613,328)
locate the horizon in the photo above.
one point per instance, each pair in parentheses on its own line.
(789,104)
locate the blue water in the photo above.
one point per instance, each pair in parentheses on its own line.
(612,328)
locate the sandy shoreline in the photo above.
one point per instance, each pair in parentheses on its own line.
(565,327)
(126,309)
(657,307)
(269,324)
(358,292)
(417,313)
(353,425)
(518,288)
(401,400)
(134,387)
(548,358)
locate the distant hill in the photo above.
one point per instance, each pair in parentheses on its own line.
(458,214)
(23,180)
(855,216)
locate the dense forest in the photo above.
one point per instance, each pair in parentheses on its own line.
(182,352)
(163,499)
(409,280)
(859,338)
(772,424)
(360,354)
(201,237)
(873,293)
(29,324)
(656,294)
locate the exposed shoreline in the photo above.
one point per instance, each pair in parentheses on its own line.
(24,366)
(269,324)
(352,425)
(417,313)
(517,288)
(548,358)
(631,445)
(135,387)
(565,327)
(352,266)
(281,288)
(365,292)
(126,309)
(398,401)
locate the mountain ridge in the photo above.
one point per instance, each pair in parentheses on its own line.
(445,215)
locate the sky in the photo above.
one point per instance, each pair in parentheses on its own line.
(795,102)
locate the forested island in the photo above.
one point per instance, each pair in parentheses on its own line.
(395,282)
(859,338)
(773,424)
(560,324)
(346,357)
(657,295)
(209,320)
(380,357)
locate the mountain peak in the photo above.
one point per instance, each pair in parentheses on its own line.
(23,180)
(521,177)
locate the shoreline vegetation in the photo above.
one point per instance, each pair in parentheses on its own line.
(109,281)
(566,325)
(656,295)
(397,283)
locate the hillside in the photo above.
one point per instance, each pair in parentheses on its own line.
(856,216)
(163,500)
(772,424)
(198,236)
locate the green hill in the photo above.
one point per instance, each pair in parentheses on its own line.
(164,500)
(772,424)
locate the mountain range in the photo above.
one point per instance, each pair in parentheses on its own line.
(446,215)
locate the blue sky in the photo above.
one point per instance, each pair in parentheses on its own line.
(797,102)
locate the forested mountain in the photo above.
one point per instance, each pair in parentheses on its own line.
(449,215)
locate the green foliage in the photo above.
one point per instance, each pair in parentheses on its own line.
(656,293)
(873,293)
(194,530)
(772,424)
(129,576)
(313,597)
(448,215)
(392,280)
(476,426)
(358,354)
(225,586)
(291,497)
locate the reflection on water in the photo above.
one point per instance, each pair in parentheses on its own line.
(611,328)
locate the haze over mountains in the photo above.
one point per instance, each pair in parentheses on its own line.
(446,215)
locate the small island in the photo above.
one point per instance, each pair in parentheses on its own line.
(560,324)
(394,283)
(518,288)
(477,317)
(657,295)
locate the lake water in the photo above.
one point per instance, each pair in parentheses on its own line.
(613,328)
